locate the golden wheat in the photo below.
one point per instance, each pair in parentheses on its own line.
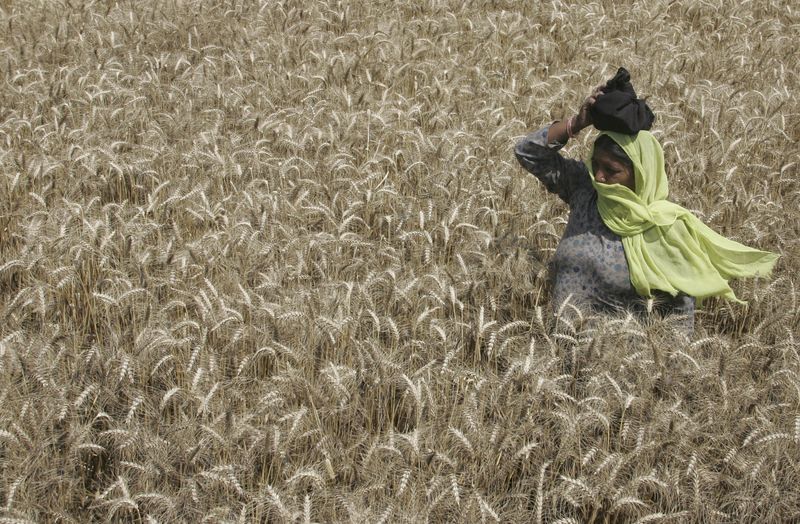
(274,261)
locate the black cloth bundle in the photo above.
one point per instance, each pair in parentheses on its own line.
(618,109)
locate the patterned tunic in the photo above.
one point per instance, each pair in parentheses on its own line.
(589,269)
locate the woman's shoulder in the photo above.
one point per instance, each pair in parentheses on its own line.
(584,195)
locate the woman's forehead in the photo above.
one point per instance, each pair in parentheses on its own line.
(601,155)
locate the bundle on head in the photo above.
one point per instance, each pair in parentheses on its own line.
(619,109)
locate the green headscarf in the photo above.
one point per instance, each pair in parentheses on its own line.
(667,247)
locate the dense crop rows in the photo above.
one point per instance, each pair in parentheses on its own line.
(276,262)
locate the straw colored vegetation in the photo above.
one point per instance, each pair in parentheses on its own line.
(276,262)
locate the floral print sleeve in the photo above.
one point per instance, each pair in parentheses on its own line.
(559,175)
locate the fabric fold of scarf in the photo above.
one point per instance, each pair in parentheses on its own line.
(666,246)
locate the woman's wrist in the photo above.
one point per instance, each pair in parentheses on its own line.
(563,130)
(574,126)
(578,124)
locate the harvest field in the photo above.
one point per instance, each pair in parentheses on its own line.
(276,261)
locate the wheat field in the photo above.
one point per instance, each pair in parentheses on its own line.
(275,262)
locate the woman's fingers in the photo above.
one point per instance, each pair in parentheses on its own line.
(593,98)
(584,117)
(598,91)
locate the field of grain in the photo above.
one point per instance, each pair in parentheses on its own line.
(275,261)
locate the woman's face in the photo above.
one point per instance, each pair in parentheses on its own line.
(608,170)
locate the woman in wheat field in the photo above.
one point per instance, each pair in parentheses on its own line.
(624,241)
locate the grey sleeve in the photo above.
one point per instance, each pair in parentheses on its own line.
(559,175)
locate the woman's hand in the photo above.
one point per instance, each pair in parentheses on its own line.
(584,118)
(566,129)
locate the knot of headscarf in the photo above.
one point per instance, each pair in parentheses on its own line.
(666,246)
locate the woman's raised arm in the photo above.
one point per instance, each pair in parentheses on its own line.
(538,153)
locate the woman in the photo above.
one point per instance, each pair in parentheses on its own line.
(624,242)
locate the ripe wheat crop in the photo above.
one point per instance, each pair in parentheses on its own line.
(275,262)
